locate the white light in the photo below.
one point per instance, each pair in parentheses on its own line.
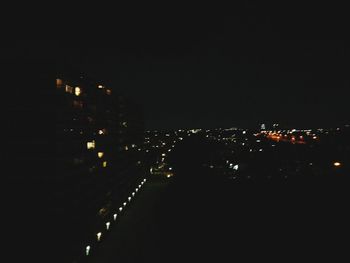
(139,186)
(133,194)
(170,168)
(260,150)
(115,217)
(136,189)
(163,154)
(235,167)
(87,250)
(99,234)
(107,225)
(120,209)
(145,180)
(129,198)
(124,204)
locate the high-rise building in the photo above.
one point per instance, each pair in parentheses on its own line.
(98,134)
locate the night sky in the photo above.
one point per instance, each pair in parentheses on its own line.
(202,66)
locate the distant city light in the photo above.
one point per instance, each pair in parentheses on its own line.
(115,217)
(235,167)
(120,209)
(100,154)
(107,225)
(100,86)
(104,164)
(337,164)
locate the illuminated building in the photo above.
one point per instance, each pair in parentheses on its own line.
(93,125)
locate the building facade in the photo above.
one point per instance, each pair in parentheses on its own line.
(98,137)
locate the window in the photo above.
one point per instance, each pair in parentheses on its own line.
(77,91)
(102,131)
(77,104)
(59,83)
(69,89)
(91,145)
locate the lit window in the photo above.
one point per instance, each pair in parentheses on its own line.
(100,154)
(59,83)
(102,131)
(77,91)
(77,104)
(104,164)
(91,145)
(69,89)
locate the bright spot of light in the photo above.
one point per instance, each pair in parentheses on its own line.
(235,167)
(99,234)
(107,225)
(337,164)
(87,250)
(115,217)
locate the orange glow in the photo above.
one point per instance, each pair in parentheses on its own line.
(108,92)
(59,83)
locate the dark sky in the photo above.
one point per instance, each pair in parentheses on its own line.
(202,66)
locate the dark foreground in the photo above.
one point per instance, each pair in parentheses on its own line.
(174,221)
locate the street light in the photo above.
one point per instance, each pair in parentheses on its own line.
(337,164)
(87,250)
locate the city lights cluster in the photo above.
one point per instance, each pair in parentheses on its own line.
(115,216)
